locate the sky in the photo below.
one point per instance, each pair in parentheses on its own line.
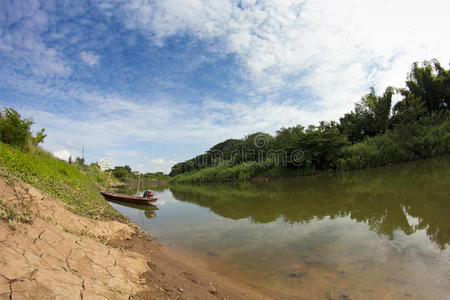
(151,83)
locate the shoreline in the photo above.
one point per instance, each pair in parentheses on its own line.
(305,173)
(182,275)
(61,254)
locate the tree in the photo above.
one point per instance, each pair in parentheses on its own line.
(378,108)
(427,91)
(322,144)
(80,161)
(16,131)
(122,172)
(429,83)
(39,137)
(370,117)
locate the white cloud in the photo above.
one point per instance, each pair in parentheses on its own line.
(334,49)
(21,26)
(90,58)
(162,165)
(62,154)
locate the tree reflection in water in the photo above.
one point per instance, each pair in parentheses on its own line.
(407,197)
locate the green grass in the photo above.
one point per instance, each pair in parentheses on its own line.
(59,179)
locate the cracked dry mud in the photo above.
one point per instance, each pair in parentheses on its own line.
(60,256)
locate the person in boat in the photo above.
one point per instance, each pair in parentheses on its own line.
(148,194)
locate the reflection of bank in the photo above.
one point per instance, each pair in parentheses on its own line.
(149,209)
(405,197)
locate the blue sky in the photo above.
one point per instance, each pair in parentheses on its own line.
(150,83)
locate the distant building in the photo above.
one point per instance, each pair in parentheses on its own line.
(104,165)
(136,172)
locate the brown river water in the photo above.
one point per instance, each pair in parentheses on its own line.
(379,233)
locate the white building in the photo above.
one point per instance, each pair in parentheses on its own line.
(104,165)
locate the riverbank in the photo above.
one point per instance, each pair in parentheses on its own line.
(59,253)
(60,238)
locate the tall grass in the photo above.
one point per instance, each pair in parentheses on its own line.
(403,144)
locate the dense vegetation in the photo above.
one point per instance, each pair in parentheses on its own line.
(373,134)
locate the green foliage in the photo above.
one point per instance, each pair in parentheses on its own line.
(123,172)
(79,160)
(158,176)
(370,117)
(223,172)
(427,139)
(59,179)
(39,137)
(15,131)
(429,83)
(367,136)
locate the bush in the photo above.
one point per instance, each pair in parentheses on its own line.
(415,141)
(15,131)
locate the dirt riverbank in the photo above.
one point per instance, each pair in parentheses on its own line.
(64,256)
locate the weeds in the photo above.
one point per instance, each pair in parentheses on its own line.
(16,213)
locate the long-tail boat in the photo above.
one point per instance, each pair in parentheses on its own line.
(128,198)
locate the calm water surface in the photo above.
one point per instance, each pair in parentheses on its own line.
(372,234)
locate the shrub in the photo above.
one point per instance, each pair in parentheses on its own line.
(15,131)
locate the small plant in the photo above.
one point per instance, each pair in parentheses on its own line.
(12,214)
(12,224)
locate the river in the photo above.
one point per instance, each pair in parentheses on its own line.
(379,233)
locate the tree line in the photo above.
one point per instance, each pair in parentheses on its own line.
(373,133)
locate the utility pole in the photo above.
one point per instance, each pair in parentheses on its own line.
(82,152)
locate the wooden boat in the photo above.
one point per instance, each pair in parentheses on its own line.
(128,198)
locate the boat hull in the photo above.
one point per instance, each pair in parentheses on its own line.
(128,198)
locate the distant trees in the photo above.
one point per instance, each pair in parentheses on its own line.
(371,134)
(16,131)
(80,161)
(122,172)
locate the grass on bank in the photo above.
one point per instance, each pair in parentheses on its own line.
(59,179)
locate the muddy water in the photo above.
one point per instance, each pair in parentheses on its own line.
(382,233)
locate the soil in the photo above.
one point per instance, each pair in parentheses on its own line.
(65,256)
